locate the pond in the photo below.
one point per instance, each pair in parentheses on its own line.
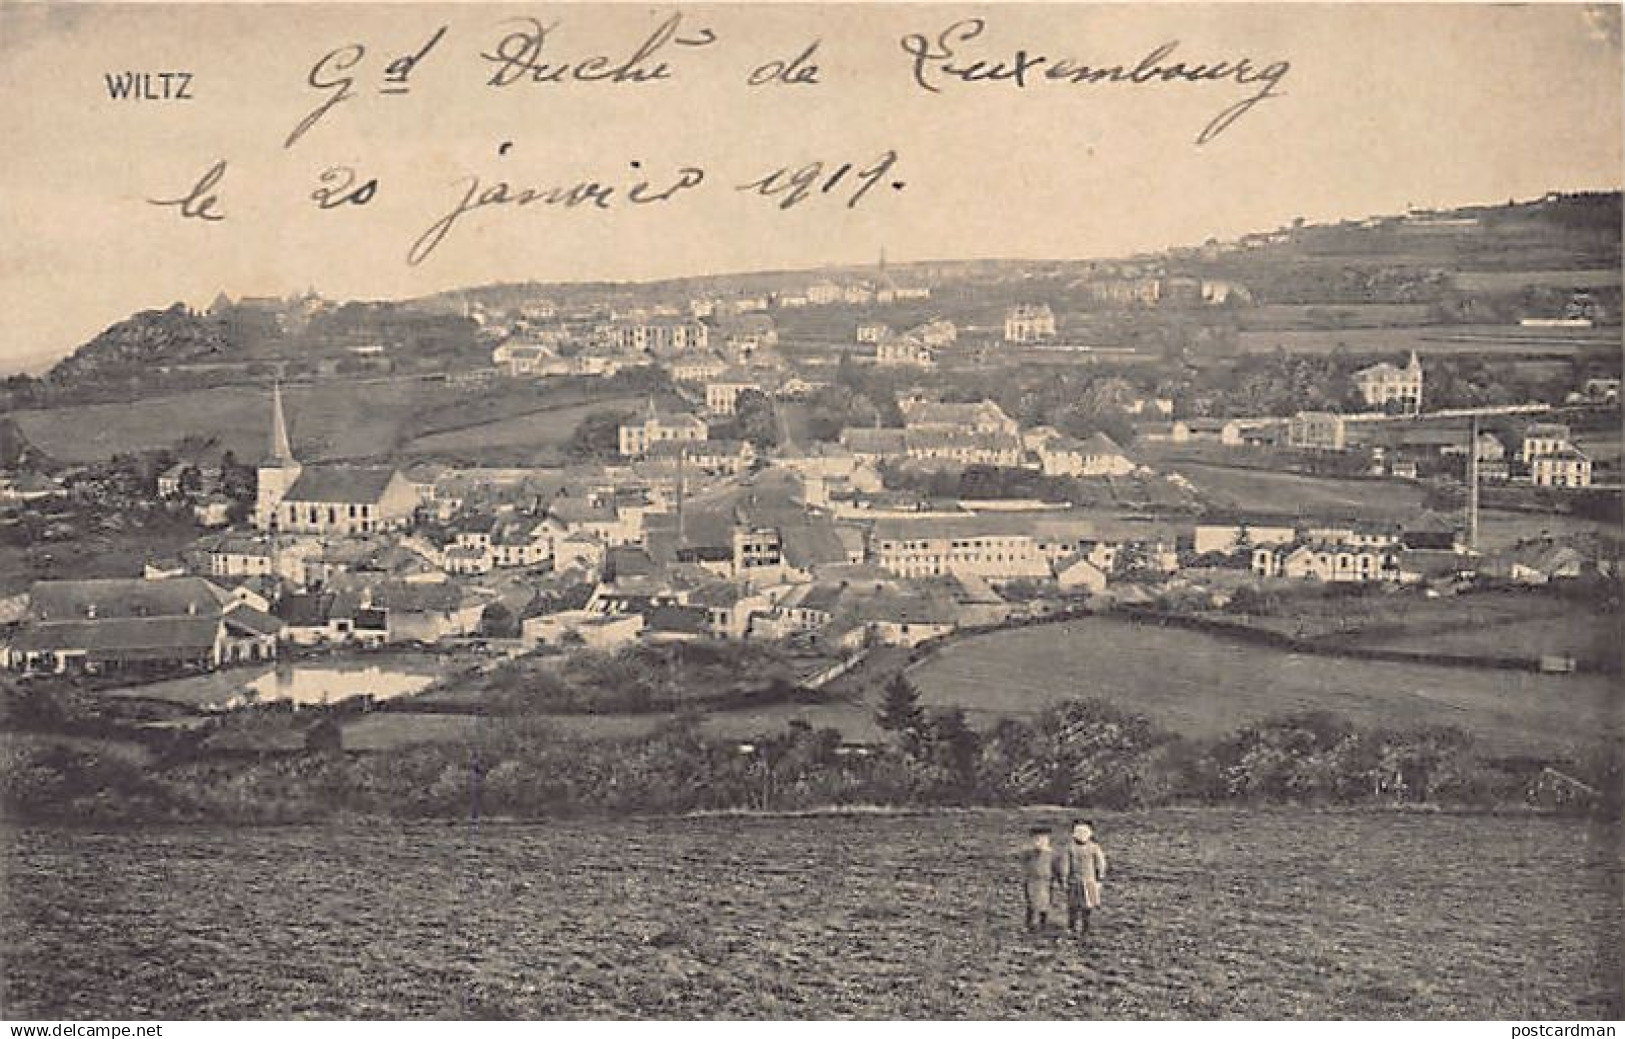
(323,685)
(314,683)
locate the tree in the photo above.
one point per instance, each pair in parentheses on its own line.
(900,713)
(498,622)
(237,481)
(755,419)
(1133,557)
(955,748)
(596,437)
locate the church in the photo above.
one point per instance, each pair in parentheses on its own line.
(326,499)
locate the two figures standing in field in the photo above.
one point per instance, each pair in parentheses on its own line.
(1072,874)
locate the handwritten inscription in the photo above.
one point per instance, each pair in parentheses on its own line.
(798,71)
(528,51)
(338,187)
(791,187)
(587,193)
(149,86)
(199,201)
(519,56)
(937,60)
(787,186)
(330,73)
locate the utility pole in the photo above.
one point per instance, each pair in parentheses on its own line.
(1472,485)
(681,454)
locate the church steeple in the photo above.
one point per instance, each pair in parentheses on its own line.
(281,450)
(278,471)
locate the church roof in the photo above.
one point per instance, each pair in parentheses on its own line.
(343,484)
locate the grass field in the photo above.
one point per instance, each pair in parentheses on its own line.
(326,421)
(1208,914)
(1492,625)
(1499,529)
(1205,685)
(1432,340)
(1489,625)
(544,430)
(1292,492)
(1230,487)
(365,419)
(1527,637)
(1309,315)
(390,730)
(1509,281)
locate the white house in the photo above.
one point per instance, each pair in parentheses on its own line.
(1029,323)
(1077,573)
(1096,456)
(1543,438)
(1382,384)
(1566,468)
(654,427)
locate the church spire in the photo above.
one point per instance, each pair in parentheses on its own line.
(281,449)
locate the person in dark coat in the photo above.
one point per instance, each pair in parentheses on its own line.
(1040,871)
(1083,871)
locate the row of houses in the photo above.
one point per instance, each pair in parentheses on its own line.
(1054,453)
(882,291)
(1546,455)
(1341,564)
(139,626)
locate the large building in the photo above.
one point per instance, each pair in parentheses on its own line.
(1029,323)
(638,435)
(326,499)
(1317,431)
(982,416)
(1384,384)
(1567,468)
(904,350)
(129,624)
(661,336)
(722,392)
(1098,455)
(1130,291)
(992,546)
(1543,438)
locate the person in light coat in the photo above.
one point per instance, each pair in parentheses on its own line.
(1083,870)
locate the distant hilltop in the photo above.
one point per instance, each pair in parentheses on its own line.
(1559,231)
(136,344)
(1414,256)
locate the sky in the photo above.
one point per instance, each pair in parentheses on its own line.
(1379,107)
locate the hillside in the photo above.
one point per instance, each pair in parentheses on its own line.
(1558,233)
(132,347)
(1551,247)
(1471,265)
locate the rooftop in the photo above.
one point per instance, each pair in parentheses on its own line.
(342,484)
(124,597)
